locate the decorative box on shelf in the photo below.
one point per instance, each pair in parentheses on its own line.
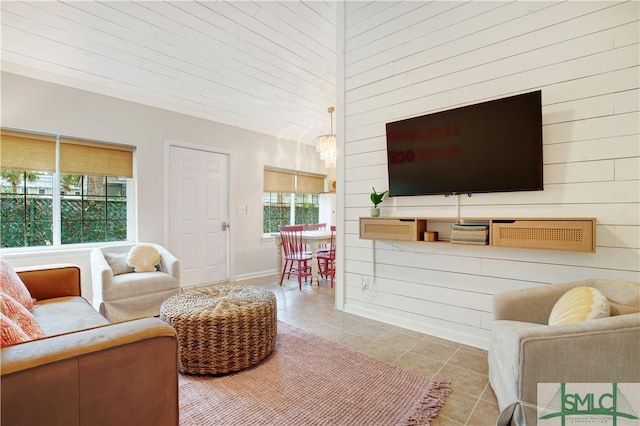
(430,236)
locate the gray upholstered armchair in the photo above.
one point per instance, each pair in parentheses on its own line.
(525,351)
(121,294)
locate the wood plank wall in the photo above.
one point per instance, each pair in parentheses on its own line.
(403,59)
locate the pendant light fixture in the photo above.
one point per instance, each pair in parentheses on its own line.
(326,145)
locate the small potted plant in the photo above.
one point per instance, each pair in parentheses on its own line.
(376,199)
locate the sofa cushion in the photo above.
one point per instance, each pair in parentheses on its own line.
(579,304)
(66,314)
(11,284)
(20,316)
(138,284)
(144,258)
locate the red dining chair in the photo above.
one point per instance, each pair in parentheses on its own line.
(327,260)
(295,260)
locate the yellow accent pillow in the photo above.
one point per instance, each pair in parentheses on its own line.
(579,304)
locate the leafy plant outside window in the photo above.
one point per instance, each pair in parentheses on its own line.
(281,208)
(92,209)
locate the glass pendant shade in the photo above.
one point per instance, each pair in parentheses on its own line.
(326,145)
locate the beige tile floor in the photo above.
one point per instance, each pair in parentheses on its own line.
(471,401)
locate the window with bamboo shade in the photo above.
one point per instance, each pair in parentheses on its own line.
(87,179)
(290,197)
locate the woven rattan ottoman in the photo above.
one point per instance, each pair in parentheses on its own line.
(222,329)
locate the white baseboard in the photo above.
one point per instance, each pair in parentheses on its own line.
(258,274)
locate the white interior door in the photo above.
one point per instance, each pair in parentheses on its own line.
(198,214)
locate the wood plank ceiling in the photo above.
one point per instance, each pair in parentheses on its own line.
(267,66)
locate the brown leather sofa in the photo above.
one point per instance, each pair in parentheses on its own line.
(87,371)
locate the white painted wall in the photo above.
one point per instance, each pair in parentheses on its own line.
(36,105)
(405,59)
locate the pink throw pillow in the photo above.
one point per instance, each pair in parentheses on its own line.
(11,284)
(24,319)
(11,333)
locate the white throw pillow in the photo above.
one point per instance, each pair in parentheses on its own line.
(579,304)
(144,258)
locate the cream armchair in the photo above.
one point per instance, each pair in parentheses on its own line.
(120,294)
(525,351)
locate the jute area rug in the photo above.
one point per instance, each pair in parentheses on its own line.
(309,380)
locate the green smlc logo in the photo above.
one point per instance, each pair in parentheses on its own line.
(584,407)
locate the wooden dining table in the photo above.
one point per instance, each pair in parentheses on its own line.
(313,239)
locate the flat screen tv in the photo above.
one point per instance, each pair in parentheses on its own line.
(494,146)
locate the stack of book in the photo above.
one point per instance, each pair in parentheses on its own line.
(470,234)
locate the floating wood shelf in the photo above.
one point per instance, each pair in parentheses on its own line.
(563,234)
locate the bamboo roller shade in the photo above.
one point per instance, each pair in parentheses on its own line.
(285,181)
(82,157)
(279,181)
(27,151)
(310,184)
(30,151)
